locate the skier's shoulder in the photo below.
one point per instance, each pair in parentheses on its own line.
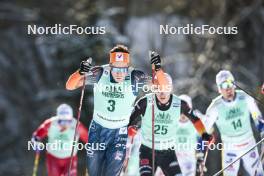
(96,73)
(215,102)
(148,95)
(241,95)
(105,68)
(50,120)
(144,98)
(53,118)
(102,70)
(98,69)
(176,98)
(136,73)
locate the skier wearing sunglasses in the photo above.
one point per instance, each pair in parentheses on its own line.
(232,111)
(116,86)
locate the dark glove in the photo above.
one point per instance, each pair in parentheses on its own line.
(132,130)
(85,66)
(37,145)
(208,137)
(156,60)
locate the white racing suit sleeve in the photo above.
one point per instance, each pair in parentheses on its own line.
(209,118)
(253,108)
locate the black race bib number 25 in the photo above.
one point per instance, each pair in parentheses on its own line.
(161,129)
(111,106)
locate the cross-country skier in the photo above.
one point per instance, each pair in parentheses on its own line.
(168,109)
(131,166)
(115,90)
(60,131)
(187,137)
(231,112)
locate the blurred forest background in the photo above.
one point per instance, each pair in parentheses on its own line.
(34,68)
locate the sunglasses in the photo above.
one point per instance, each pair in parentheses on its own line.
(119,69)
(227,85)
(64,113)
(64,122)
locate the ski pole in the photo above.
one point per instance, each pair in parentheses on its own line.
(129,154)
(36,163)
(78,119)
(153,119)
(260,161)
(262,157)
(153,123)
(262,152)
(219,172)
(203,168)
(250,94)
(259,119)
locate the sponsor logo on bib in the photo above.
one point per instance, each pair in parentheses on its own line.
(119,57)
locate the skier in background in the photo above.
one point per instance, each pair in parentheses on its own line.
(188,138)
(168,108)
(116,86)
(60,133)
(231,112)
(131,164)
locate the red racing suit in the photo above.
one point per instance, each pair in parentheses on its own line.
(61,131)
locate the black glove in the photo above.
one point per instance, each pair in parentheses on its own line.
(208,137)
(85,66)
(156,60)
(36,144)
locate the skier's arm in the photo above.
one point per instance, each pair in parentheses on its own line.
(138,111)
(188,112)
(76,79)
(253,108)
(138,80)
(42,131)
(159,73)
(83,132)
(210,118)
(255,113)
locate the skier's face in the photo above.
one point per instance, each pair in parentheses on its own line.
(163,97)
(228,93)
(64,124)
(163,93)
(119,71)
(227,90)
